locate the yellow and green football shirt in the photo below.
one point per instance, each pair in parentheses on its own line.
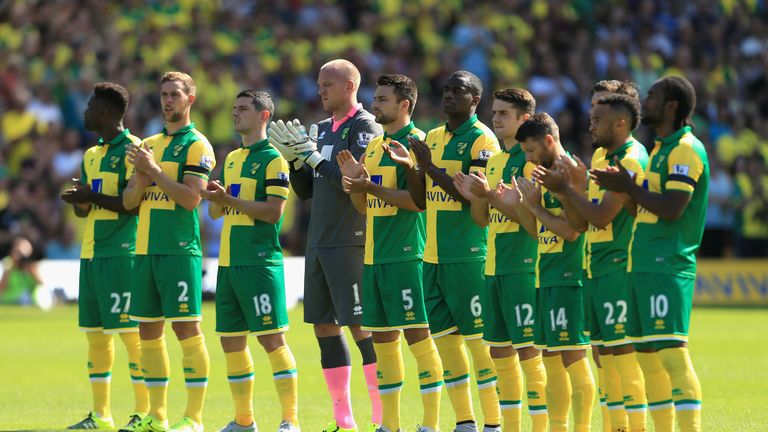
(510,248)
(106,171)
(166,228)
(677,163)
(392,234)
(607,248)
(452,236)
(252,173)
(561,262)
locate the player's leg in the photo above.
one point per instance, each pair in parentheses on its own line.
(399,292)
(505,358)
(596,336)
(343,268)
(180,283)
(658,386)
(232,327)
(558,387)
(334,353)
(115,273)
(673,322)
(265,309)
(627,399)
(464,282)
(572,341)
(101,352)
(146,308)
(450,346)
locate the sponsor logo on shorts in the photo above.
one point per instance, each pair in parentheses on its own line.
(184,307)
(659,324)
(410,316)
(266,320)
(478,322)
(564,336)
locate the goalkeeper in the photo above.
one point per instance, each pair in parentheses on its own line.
(336,240)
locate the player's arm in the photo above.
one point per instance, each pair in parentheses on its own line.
(415,179)
(509,201)
(474,187)
(77,195)
(268,211)
(568,179)
(685,168)
(557,224)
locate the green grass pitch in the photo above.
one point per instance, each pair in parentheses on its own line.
(43,381)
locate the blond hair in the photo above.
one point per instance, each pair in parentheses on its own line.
(185,79)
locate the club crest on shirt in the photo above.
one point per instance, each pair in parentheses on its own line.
(255,167)
(113,161)
(177,149)
(514,171)
(461,148)
(344,133)
(659,161)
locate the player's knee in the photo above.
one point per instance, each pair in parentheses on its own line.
(571,357)
(358,333)
(234,344)
(327,330)
(528,352)
(151,330)
(271,342)
(185,330)
(416,335)
(502,352)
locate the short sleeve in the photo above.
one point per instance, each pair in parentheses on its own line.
(485,146)
(277,180)
(200,160)
(685,168)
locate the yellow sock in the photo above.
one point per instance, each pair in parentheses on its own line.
(197,366)
(558,393)
(132,344)
(604,413)
(453,355)
(485,373)
(240,376)
(658,387)
(156,368)
(536,383)
(286,382)
(101,357)
(583,397)
(510,391)
(391,373)
(614,394)
(430,380)
(686,389)
(633,388)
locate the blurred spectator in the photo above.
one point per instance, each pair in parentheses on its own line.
(53,53)
(718,231)
(20,276)
(752,192)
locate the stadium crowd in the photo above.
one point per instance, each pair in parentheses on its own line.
(55,51)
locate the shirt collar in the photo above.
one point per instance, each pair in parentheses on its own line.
(621,149)
(256,146)
(350,114)
(181,131)
(464,127)
(675,137)
(116,140)
(517,148)
(402,133)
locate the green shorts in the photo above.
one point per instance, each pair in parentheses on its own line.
(560,323)
(393,296)
(167,287)
(660,307)
(508,302)
(452,297)
(105,295)
(606,303)
(250,300)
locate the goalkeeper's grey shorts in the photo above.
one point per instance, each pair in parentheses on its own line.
(333,284)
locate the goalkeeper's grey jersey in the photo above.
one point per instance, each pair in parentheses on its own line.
(334,222)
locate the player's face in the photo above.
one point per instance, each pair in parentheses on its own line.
(506,119)
(602,122)
(92,114)
(653,105)
(332,89)
(457,99)
(174,100)
(385,106)
(245,118)
(539,151)
(597,96)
